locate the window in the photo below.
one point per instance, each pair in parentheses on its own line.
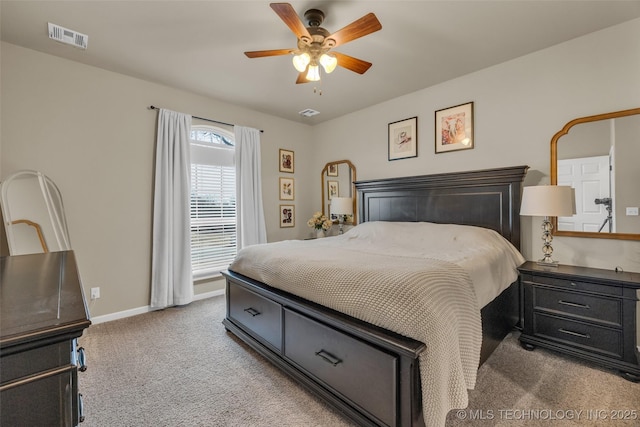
(213,201)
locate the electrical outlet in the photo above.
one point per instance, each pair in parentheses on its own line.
(95,293)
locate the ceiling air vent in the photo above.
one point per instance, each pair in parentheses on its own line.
(64,35)
(308,112)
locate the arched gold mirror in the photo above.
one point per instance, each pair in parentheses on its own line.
(598,156)
(338,180)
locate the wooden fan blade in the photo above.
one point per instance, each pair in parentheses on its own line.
(366,25)
(287,13)
(350,63)
(263,53)
(302,77)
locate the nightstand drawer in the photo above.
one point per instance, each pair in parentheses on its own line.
(257,314)
(575,285)
(578,334)
(591,307)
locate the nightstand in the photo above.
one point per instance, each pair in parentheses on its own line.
(584,312)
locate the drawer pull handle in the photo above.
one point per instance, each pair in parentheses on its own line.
(253,312)
(574,304)
(82,360)
(573,284)
(80,407)
(575,334)
(328,357)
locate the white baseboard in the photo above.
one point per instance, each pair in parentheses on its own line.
(141,310)
(209,294)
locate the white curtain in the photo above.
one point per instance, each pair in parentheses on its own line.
(171,276)
(250,213)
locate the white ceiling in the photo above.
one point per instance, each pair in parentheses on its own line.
(198,45)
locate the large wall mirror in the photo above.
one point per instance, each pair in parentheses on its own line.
(33,214)
(598,156)
(338,180)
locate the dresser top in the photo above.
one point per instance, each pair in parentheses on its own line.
(40,295)
(629,279)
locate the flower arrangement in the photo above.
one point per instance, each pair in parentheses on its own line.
(319,221)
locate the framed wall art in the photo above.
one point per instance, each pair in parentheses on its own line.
(286,188)
(332,170)
(454,128)
(287,216)
(333,189)
(403,139)
(286,161)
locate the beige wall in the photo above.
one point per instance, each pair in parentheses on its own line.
(586,140)
(90,130)
(519,106)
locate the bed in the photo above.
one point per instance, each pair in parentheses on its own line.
(343,330)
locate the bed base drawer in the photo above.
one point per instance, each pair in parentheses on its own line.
(360,372)
(260,316)
(382,385)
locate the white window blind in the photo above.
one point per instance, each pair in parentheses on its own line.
(213,203)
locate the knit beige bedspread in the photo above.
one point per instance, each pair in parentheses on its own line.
(430,300)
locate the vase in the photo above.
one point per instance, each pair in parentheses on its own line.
(319,233)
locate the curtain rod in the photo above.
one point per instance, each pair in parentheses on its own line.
(151,107)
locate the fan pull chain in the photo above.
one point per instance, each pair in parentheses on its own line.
(318,89)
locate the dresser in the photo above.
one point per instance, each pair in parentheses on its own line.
(583,312)
(42,313)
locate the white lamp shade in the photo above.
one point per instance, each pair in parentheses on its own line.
(328,62)
(313,75)
(342,206)
(548,200)
(301,61)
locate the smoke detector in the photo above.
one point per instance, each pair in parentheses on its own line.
(67,36)
(308,112)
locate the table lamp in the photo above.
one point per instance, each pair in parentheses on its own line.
(547,201)
(341,206)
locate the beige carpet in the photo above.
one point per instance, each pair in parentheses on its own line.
(179,367)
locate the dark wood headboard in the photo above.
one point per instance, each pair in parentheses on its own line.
(487,198)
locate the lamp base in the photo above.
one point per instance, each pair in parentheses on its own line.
(547,249)
(547,263)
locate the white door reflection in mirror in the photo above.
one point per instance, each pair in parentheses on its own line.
(589,176)
(33,214)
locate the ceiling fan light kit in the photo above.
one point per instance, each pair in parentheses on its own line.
(315,42)
(313,74)
(301,61)
(328,62)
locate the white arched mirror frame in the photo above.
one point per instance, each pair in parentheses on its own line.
(33,214)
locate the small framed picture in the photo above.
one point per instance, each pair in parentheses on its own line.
(286,188)
(287,216)
(454,128)
(333,170)
(286,161)
(403,139)
(333,189)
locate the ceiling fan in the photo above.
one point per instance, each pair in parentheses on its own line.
(315,43)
